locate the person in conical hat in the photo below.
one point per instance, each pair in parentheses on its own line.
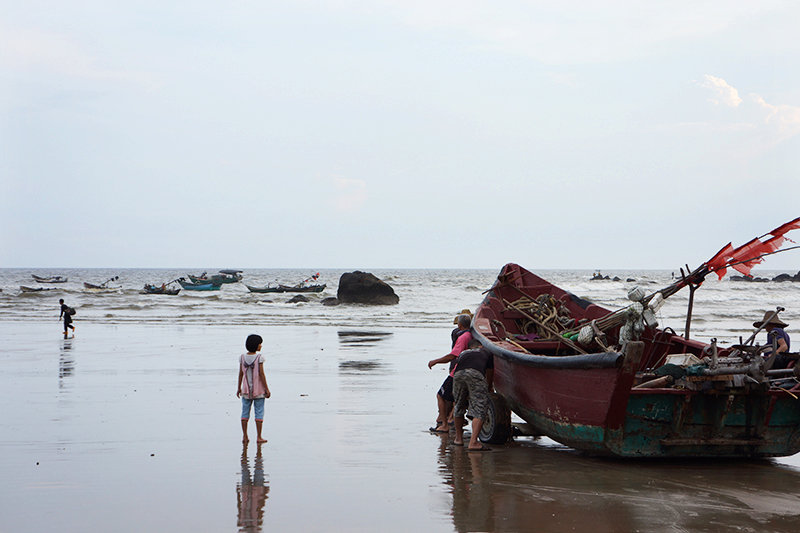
(774,327)
(463,312)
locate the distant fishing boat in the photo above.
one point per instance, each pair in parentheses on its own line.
(189,286)
(103,287)
(50,279)
(264,289)
(224,276)
(302,288)
(287,288)
(162,289)
(23,288)
(614,384)
(299,287)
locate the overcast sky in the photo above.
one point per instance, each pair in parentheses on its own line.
(370,134)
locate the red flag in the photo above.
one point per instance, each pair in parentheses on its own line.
(747,256)
(720,259)
(789,226)
(773,245)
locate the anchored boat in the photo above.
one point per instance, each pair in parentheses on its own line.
(266,288)
(303,286)
(103,287)
(189,286)
(224,276)
(613,383)
(24,288)
(50,279)
(162,289)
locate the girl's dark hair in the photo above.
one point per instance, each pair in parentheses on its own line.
(252,342)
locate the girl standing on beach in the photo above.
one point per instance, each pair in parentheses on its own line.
(252,386)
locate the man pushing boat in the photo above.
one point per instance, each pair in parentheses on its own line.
(472,383)
(461,336)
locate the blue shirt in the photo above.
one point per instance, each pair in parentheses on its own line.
(779,334)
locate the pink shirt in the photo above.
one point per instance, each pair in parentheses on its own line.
(461,344)
(252,376)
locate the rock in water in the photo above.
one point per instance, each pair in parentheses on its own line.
(330,301)
(364,288)
(297,299)
(787,277)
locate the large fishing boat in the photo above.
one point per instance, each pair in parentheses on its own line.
(613,383)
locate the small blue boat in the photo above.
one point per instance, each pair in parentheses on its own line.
(189,286)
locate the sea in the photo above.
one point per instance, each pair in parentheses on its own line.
(429,298)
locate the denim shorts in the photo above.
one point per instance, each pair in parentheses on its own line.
(259,405)
(446,390)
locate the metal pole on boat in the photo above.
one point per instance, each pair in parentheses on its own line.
(714,353)
(692,288)
(756,332)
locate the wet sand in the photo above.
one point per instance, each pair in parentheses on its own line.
(135,428)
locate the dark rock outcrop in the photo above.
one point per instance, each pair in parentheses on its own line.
(364,288)
(748,278)
(779,278)
(330,301)
(297,299)
(787,277)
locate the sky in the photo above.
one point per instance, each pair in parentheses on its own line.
(396,134)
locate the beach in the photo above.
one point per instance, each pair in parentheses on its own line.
(135,427)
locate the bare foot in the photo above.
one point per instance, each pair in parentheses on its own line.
(457,443)
(261,441)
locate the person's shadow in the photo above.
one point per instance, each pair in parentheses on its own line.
(251,493)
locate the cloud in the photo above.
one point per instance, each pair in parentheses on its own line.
(351,194)
(785,118)
(764,125)
(723,93)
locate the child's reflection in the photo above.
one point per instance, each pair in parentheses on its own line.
(251,492)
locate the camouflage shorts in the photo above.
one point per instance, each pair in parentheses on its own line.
(470,390)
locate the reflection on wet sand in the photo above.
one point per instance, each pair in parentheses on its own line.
(352,339)
(354,367)
(251,493)
(527,485)
(66,362)
(362,341)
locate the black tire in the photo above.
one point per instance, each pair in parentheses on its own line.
(497,426)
